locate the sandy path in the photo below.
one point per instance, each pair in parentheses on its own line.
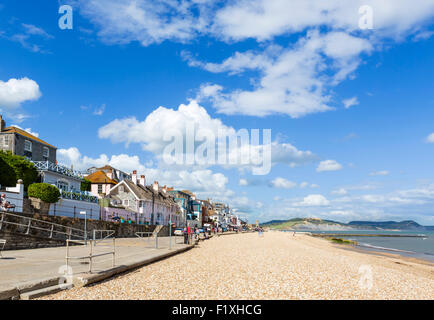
(275,266)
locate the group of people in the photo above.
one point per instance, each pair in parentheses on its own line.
(195,231)
(4,204)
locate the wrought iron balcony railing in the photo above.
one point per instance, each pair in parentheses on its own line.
(51,166)
(81,196)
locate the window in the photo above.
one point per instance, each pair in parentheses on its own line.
(62,185)
(99,188)
(27,146)
(45,152)
(5,141)
(126,202)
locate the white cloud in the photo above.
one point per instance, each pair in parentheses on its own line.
(340,192)
(150,132)
(292,81)
(99,111)
(304,184)
(203,182)
(243,182)
(380,173)
(282,183)
(430,138)
(265,19)
(14,92)
(150,22)
(34,30)
(329,165)
(314,200)
(145,21)
(348,103)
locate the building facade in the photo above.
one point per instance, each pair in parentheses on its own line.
(153,204)
(24,144)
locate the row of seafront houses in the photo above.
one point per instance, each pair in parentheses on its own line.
(115,195)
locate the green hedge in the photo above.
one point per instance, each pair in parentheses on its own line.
(44,191)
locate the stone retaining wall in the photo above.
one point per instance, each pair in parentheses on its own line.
(18,239)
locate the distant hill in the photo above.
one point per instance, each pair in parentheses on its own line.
(402,225)
(325,225)
(306,224)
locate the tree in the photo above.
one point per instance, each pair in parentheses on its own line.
(85,185)
(44,191)
(13,167)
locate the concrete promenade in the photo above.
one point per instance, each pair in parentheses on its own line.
(27,270)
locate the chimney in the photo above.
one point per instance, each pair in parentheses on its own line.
(164,189)
(2,123)
(134,177)
(142,180)
(155,186)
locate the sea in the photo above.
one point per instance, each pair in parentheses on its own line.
(417,247)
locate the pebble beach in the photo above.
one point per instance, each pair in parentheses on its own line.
(275,266)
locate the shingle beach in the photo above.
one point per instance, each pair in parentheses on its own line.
(275,266)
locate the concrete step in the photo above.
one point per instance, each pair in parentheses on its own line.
(42,292)
(38,284)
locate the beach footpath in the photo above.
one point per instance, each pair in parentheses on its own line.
(27,274)
(274,265)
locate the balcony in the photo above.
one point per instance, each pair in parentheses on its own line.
(81,196)
(53,167)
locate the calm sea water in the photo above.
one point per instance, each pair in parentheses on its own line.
(412,247)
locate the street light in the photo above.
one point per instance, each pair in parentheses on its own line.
(85,228)
(170,231)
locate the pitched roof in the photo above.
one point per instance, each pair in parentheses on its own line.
(146,192)
(25,134)
(100,177)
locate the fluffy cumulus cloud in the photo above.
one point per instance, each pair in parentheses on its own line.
(282,183)
(204,182)
(314,200)
(292,80)
(329,165)
(152,134)
(14,92)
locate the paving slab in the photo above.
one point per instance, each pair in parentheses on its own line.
(25,270)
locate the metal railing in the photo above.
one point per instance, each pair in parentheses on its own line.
(27,224)
(101,232)
(51,166)
(141,235)
(91,255)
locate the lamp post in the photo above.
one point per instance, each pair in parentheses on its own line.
(170,231)
(85,227)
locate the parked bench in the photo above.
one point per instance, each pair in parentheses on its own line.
(2,246)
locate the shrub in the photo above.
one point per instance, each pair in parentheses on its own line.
(44,191)
(13,167)
(85,185)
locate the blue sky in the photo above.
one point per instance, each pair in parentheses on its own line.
(94,92)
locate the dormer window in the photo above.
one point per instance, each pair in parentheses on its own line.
(28,146)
